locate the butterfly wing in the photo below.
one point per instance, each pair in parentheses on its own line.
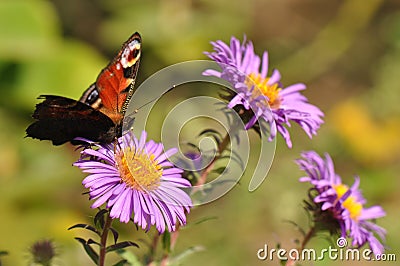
(115,84)
(61,119)
(99,113)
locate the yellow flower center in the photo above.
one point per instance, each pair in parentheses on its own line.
(350,203)
(271,91)
(139,171)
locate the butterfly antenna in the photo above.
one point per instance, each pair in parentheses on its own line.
(140,107)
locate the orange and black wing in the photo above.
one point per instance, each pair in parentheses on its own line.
(98,114)
(115,84)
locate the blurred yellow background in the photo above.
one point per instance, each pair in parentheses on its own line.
(347,52)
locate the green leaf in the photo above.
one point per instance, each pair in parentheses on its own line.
(121,245)
(177,260)
(205,219)
(234,158)
(85,226)
(99,218)
(121,263)
(91,241)
(298,227)
(89,250)
(209,132)
(237,158)
(200,221)
(115,234)
(219,170)
(213,133)
(190,144)
(129,257)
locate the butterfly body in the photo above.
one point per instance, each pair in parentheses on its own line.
(99,113)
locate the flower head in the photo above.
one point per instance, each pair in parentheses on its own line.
(342,203)
(135,176)
(43,252)
(262,95)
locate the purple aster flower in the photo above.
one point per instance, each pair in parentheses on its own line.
(262,94)
(135,176)
(344,204)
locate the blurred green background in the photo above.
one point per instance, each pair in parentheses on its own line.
(347,52)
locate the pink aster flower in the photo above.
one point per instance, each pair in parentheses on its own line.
(344,204)
(135,177)
(261,94)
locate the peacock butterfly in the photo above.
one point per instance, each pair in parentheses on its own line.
(99,113)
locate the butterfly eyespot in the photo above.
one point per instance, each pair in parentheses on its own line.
(92,97)
(131,54)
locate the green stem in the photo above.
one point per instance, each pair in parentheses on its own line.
(221,147)
(173,240)
(153,248)
(305,241)
(174,235)
(103,241)
(307,238)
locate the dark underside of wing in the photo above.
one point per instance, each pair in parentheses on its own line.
(61,119)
